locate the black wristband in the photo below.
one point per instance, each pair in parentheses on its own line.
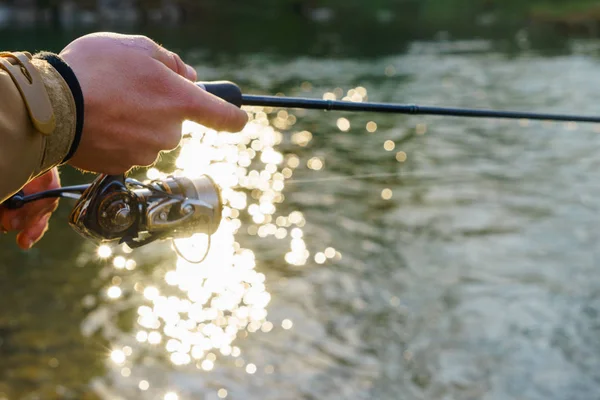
(69,76)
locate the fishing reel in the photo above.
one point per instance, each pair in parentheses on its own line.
(114,208)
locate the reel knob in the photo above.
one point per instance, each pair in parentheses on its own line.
(115,215)
(107,210)
(123,217)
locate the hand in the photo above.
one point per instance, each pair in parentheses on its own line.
(32,219)
(136,96)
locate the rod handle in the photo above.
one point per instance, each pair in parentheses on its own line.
(17,200)
(228,91)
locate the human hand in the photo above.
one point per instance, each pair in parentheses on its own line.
(136,96)
(31,220)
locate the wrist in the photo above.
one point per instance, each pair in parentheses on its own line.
(71,80)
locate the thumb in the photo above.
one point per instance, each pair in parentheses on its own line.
(209,110)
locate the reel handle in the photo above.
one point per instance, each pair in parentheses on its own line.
(228,91)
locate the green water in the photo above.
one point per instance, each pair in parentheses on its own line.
(477,279)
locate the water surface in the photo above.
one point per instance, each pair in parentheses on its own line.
(463,260)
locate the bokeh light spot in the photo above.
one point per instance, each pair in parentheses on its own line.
(117,356)
(330,252)
(320,258)
(315,163)
(119,262)
(104,251)
(114,292)
(207,365)
(386,194)
(371,126)
(343,124)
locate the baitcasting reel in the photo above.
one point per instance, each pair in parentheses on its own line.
(115,208)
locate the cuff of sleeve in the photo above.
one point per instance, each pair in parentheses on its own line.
(57,144)
(69,77)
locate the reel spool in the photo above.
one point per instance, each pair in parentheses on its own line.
(115,208)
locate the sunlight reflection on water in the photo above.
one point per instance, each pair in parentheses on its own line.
(470,248)
(204,307)
(190,315)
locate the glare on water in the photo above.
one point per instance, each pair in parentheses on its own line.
(199,310)
(224,294)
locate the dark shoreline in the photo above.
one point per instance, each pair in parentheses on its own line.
(297,27)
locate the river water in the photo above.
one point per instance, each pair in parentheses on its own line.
(432,258)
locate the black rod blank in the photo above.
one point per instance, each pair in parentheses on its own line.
(413,109)
(231,93)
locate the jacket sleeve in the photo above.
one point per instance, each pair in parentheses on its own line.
(33,137)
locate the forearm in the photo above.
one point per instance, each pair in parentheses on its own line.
(25,151)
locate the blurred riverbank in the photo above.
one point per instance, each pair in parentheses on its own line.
(412,18)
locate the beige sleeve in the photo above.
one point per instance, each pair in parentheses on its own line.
(26,152)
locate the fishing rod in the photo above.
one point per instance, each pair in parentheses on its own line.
(231,93)
(115,208)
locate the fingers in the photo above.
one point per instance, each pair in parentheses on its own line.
(174,63)
(136,106)
(11,220)
(32,219)
(16,220)
(33,231)
(46,181)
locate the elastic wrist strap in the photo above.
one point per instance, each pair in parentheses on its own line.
(69,76)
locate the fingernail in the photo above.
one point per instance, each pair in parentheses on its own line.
(28,243)
(16,224)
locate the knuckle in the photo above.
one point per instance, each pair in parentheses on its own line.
(178,63)
(143,40)
(189,104)
(170,60)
